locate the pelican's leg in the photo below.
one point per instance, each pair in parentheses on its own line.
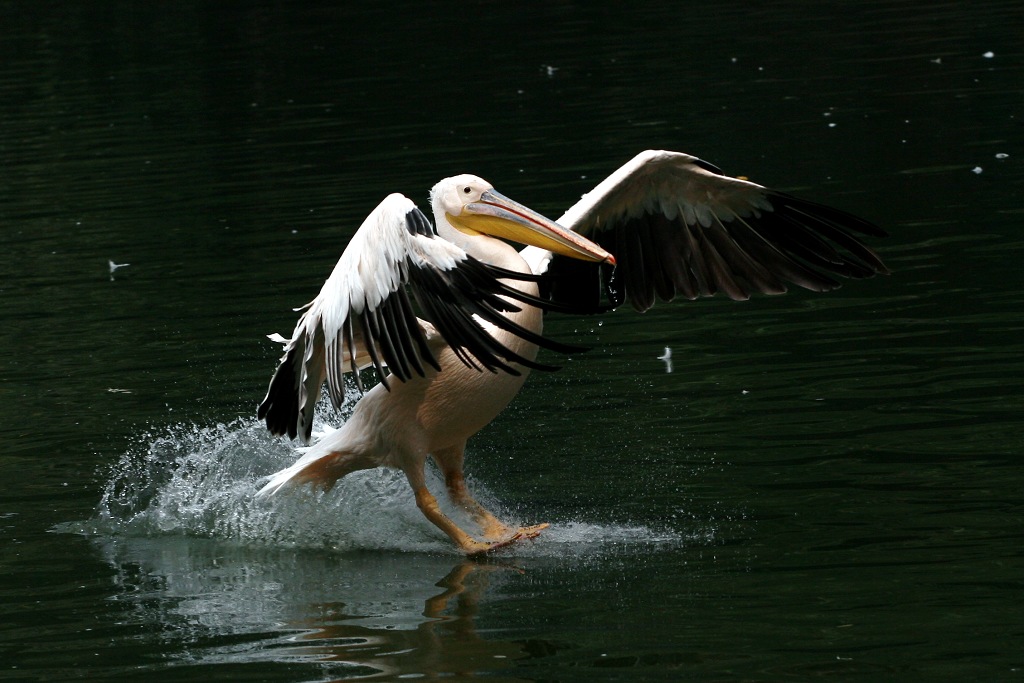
(450,461)
(427,504)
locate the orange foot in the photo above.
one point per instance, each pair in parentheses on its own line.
(522,534)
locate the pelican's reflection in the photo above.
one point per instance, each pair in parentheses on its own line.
(360,615)
(444,643)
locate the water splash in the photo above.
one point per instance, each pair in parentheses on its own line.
(201,482)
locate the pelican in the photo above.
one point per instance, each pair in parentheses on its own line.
(455,313)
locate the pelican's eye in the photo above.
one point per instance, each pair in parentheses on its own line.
(467,190)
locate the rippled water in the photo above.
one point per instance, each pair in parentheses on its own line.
(822,486)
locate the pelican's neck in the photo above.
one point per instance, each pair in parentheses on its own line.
(484,248)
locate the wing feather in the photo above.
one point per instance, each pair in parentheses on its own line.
(678,226)
(363,316)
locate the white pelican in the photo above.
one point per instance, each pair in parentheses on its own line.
(668,222)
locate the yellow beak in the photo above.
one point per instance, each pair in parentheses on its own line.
(498,216)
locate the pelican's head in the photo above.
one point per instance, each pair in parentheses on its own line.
(472,206)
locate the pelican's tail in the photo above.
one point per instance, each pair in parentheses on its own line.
(321,465)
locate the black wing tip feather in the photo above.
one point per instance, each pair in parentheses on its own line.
(837,228)
(798,242)
(495,274)
(280,407)
(451,298)
(417,223)
(392,337)
(841,218)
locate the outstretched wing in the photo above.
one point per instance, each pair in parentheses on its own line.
(678,226)
(364,315)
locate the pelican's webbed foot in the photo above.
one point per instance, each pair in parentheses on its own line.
(523,533)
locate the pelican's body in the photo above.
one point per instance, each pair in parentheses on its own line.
(681,225)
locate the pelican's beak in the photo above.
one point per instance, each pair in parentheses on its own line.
(498,216)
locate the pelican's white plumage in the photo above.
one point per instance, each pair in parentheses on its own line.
(667,222)
(374,267)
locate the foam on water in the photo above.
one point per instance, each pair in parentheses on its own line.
(201,482)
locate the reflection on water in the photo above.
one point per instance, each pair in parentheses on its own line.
(359,614)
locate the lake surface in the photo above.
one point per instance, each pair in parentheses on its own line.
(824,486)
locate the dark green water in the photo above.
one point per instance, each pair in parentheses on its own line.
(825,486)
